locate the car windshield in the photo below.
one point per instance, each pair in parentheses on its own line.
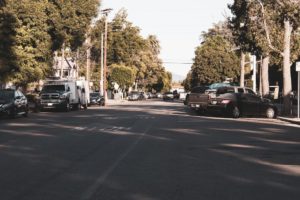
(6,95)
(53,88)
(218,85)
(94,94)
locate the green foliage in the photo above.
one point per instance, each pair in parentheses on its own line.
(122,75)
(8,23)
(127,47)
(31,29)
(28,42)
(69,21)
(214,62)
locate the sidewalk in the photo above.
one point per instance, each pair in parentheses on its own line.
(292,119)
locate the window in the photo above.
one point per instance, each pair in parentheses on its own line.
(200,90)
(250,91)
(240,90)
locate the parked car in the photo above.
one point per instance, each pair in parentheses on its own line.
(240,101)
(168,96)
(134,96)
(13,103)
(96,99)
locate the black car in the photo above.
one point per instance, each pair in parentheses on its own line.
(96,99)
(239,101)
(13,103)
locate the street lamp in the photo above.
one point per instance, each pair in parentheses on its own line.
(105,12)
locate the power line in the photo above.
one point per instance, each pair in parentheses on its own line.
(178,63)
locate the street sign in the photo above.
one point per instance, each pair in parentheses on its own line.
(297,66)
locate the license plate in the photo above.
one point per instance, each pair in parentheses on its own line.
(214,102)
(50,104)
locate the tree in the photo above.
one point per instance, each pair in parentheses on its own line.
(28,42)
(127,47)
(122,75)
(214,62)
(8,23)
(69,21)
(272,27)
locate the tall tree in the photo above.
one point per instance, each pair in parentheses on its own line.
(127,47)
(214,61)
(280,21)
(69,21)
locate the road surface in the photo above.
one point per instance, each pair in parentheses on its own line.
(149,150)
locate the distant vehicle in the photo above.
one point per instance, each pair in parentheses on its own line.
(134,96)
(13,103)
(159,95)
(239,101)
(168,96)
(96,99)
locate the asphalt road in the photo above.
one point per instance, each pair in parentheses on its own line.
(147,150)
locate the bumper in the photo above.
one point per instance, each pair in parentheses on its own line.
(53,105)
(197,106)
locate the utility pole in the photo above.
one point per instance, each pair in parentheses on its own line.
(62,60)
(105,12)
(102,64)
(242,78)
(88,57)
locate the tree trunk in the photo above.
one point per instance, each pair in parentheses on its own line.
(242,77)
(88,58)
(287,83)
(62,60)
(265,75)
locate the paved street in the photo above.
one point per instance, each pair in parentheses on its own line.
(148,150)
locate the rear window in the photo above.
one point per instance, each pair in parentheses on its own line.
(199,89)
(225,90)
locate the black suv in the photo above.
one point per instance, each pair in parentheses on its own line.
(13,103)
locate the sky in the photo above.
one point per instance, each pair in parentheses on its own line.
(177,25)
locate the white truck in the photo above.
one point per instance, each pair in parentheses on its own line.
(64,94)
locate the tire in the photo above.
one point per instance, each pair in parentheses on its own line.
(270,113)
(235,112)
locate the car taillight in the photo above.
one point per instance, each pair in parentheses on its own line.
(225,101)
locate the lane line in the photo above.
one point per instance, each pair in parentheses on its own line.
(101,179)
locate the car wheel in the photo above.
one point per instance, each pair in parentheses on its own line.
(270,113)
(235,112)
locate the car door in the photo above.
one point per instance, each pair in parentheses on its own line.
(253,103)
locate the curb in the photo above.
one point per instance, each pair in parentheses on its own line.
(289,120)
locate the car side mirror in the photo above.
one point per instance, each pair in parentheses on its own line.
(68,89)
